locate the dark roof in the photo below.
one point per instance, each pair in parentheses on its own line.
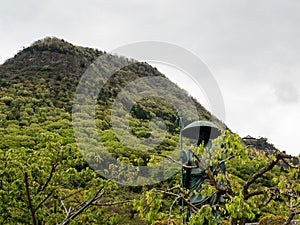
(249,137)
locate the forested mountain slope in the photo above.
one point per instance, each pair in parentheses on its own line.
(44,178)
(40,161)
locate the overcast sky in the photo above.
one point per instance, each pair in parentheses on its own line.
(251,47)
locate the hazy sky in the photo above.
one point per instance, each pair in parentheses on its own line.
(251,47)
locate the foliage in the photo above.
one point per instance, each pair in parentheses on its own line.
(263,190)
(45,180)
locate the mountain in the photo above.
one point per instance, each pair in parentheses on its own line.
(45,75)
(37,89)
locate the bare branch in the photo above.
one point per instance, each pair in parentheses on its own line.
(65,208)
(210,174)
(42,202)
(171,208)
(290,165)
(43,187)
(193,208)
(34,221)
(292,213)
(224,160)
(279,156)
(229,187)
(175,161)
(71,215)
(199,162)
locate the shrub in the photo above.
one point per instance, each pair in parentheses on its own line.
(272,220)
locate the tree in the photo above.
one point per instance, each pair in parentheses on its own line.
(52,186)
(247,196)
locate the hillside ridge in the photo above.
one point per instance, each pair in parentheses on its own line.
(55,52)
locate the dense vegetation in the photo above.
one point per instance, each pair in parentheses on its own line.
(44,178)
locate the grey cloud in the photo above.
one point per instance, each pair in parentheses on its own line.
(247,44)
(286,92)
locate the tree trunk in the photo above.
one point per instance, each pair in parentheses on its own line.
(242,221)
(234,222)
